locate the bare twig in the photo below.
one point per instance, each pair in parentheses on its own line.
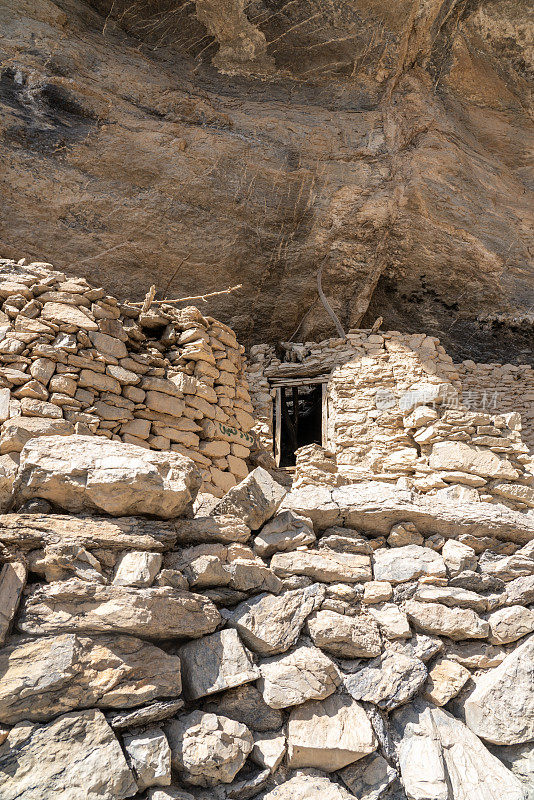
(330,311)
(202,297)
(174,274)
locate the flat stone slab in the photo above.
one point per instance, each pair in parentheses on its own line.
(214,663)
(49,761)
(155,613)
(374,507)
(44,677)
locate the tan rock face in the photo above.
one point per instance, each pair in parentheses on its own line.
(40,761)
(158,613)
(303,674)
(329,734)
(118,478)
(344,636)
(208,749)
(48,676)
(333,217)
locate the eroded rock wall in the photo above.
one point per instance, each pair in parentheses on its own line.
(388,142)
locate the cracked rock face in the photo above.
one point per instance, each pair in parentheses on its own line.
(341,131)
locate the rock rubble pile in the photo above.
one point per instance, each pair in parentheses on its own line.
(363,642)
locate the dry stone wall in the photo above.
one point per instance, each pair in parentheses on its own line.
(500,388)
(73,358)
(350,643)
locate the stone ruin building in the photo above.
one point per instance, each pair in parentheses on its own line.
(307,577)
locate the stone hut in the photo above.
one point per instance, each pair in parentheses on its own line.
(75,360)
(386,407)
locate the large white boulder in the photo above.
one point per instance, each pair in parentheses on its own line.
(80,473)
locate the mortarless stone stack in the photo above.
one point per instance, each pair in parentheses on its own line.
(74,359)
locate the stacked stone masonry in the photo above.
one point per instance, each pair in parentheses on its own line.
(350,643)
(396,413)
(74,359)
(500,388)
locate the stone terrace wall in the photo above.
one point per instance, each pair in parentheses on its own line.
(500,388)
(75,360)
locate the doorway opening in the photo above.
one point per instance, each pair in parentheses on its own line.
(300,417)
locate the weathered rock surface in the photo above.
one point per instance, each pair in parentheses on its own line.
(12,582)
(344,636)
(44,677)
(329,734)
(510,624)
(370,778)
(254,500)
(81,473)
(245,704)
(285,532)
(456,623)
(149,756)
(387,681)
(374,507)
(214,663)
(38,761)
(501,708)
(208,749)
(305,673)
(401,564)
(269,624)
(440,758)
(158,613)
(325,565)
(308,785)
(445,680)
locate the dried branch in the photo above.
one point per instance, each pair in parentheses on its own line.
(202,297)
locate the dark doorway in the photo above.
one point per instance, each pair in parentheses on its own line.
(298,420)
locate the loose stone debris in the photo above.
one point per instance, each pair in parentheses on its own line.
(346,637)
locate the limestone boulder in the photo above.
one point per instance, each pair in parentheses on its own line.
(510,624)
(392,620)
(458,557)
(214,663)
(440,620)
(208,749)
(269,624)
(401,564)
(501,708)
(451,596)
(323,565)
(12,582)
(75,757)
(80,473)
(149,757)
(308,785)
(387,681)
(463,457)
(9,464)
(154,613)
(220,528)
(519,591)
(137,568)
(255,500)
(445,680)
(305,673)
(245,704)
(284,533)
(370,778)
(344,636)
(43,677)
(441,759)
(16,432)
(329,734)
(269,750)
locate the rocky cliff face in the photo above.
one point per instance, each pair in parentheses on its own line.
(387,142)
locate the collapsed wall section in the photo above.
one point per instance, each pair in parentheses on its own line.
(74,359)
